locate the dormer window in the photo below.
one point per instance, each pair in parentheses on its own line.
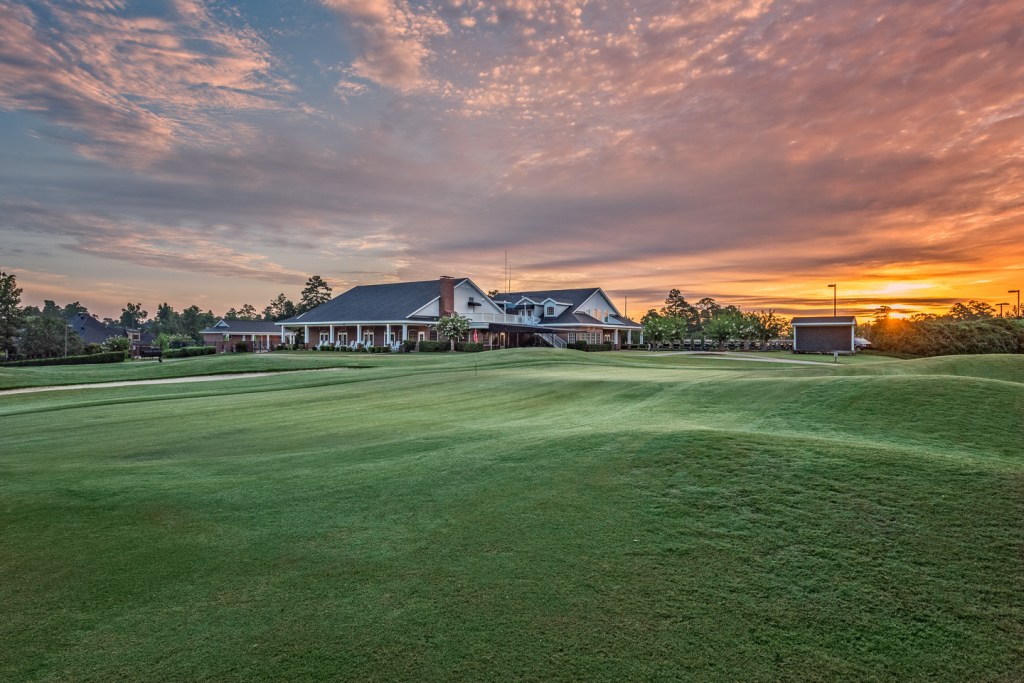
(549,310)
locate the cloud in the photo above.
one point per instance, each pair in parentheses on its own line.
(132,86)
(393,38)
(175,247)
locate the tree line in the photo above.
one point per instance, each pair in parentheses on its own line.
(968,327)
(40,332)
(707,320)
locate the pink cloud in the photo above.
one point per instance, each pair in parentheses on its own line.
(135,86)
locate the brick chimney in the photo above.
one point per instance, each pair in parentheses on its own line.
(446,306)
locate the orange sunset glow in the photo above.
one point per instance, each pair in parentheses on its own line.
(754,152)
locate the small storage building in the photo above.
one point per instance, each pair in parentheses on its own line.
(824,334)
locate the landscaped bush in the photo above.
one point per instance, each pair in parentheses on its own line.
(580,345)
(469,347)
(241,347)
(408,345)
(95,358)
(190,351)
(429,346)
(607,346)
(93,349)
(379,349)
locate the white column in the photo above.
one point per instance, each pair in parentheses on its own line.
(282,334)
(616,338)
(331,337)
(405,332)
(387,335)
(629,337)
(305,337)
(359,334)
(641,337)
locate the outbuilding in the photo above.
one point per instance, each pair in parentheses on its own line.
(824,334)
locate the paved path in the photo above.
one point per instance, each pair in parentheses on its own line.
(727,355)
(167,380)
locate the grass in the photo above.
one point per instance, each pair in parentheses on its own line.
(523,514)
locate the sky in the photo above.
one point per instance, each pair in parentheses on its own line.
(218,153)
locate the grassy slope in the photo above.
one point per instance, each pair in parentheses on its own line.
(521,514)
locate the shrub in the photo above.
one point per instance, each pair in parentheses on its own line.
(241,347)
(580,345)
(599,347)
(469,347)
(93,349)
(190,351)
(379,349)
(408,345)
(433,346)
(95,358)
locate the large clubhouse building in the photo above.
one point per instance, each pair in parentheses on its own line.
(387,315)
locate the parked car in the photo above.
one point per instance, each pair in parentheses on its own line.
(861,343)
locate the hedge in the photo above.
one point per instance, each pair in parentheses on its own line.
(105,357)
(190,351)
(469,347)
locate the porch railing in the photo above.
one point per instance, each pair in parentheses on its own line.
(504,318)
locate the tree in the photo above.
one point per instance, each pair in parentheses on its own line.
(118,344)
(721,328)
(767,325)
(52,310)
(316,292)
(193,319)
(657,328)
(972,310)
(11,315)
(132,315)
(167,320)
(248,312)
(44,337)
(491,293)
(73,309)
(280,308)
(452,327)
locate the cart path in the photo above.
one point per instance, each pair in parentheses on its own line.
(727,355)
(166,380)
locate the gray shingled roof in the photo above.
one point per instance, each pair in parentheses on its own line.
(243,327)
(574,297)
(818,320)
(373,302)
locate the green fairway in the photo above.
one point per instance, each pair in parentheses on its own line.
(528,514)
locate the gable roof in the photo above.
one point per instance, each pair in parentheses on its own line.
(825,320)
(242,327)
(92,331)
(574,298)
(366,303)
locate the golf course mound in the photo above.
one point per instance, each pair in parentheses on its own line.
(528,514)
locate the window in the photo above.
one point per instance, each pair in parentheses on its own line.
(368,338)
(324,337)
(549,310)
(343,338)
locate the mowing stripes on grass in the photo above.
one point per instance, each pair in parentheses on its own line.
(539,516)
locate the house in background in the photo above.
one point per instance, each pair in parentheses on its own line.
(92,331)
(386,315)
(257,335)
(824,334)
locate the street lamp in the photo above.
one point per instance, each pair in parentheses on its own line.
(835,293)
(1000,305)
(1017,292)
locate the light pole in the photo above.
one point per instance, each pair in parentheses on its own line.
(1017,292)
(66,328)
(1005,303)
(835,294)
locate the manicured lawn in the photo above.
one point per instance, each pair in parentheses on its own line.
(532,514)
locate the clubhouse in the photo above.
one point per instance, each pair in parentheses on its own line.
(389,314)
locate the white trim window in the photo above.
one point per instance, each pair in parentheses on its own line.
(367,337)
